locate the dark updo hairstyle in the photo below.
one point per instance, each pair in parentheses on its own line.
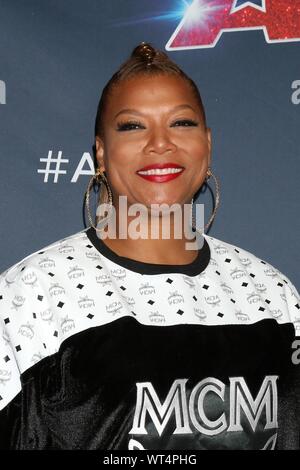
(144,60)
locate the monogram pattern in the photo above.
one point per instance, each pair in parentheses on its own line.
(69,286)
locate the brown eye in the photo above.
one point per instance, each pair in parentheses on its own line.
(185,123)
(128,126)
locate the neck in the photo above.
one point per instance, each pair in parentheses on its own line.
(153,240)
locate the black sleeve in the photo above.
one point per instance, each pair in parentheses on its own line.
(289,411)
(10,425)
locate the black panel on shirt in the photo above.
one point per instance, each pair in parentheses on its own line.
(85,395)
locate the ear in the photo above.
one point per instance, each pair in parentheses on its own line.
(100,152)
(208,134)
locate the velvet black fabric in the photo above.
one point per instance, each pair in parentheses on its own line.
(125,385)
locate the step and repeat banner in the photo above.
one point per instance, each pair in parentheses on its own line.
(57,55)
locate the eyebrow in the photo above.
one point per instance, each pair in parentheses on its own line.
(138,113)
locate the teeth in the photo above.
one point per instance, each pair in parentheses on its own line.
(163,171)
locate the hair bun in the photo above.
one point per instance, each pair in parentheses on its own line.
(145,52)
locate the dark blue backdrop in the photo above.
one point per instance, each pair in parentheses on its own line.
(55,58)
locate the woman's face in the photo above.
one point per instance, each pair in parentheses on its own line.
(148,121)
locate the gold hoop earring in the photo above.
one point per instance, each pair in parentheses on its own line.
(99,177)
(209,174)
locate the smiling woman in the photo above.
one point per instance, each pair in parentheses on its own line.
(139,342)
(151,130)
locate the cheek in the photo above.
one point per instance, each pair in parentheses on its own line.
(199,153)
(197,163)
(121,152)
(119,165)
(116,160)
(199,149)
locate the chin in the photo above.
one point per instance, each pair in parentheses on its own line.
(160,201)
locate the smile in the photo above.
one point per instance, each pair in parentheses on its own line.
(160,171)
(160,175)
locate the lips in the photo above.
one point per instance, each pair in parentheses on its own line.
(165,176)
(160,166)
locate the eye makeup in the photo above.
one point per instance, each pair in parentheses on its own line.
(133,125)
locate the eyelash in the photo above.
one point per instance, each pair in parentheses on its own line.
(124,126)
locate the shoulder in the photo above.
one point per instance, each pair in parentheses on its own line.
(232,254)
(257,277)
(43,257)
(32,292)
(26,288)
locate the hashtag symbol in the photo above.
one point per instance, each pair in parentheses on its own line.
(56,171)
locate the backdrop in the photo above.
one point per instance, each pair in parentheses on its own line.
(57,55)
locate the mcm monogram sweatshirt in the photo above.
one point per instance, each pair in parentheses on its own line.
(100,351)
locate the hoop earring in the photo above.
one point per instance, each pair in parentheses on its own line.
(99,177)
(217,202)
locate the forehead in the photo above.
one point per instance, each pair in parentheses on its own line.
(151,91)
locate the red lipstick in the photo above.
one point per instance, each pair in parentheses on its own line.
(163,177)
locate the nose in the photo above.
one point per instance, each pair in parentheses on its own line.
(159,142)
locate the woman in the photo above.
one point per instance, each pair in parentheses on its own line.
(126,342)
